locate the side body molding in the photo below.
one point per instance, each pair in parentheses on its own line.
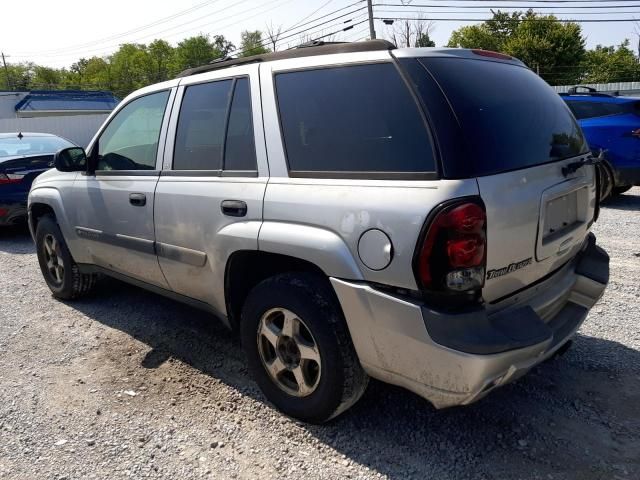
(316,245)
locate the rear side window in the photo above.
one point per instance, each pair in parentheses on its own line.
(240,150)
(589,109)
(201,124)
(508,116)
(215,128)
(352,120)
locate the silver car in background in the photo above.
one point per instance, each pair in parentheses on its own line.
(420,216)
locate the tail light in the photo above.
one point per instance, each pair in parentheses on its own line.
(452,255)
(6,178)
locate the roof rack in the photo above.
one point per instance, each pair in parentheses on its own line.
(589,91)
(308,49)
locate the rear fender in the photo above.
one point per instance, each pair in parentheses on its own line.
(318,246)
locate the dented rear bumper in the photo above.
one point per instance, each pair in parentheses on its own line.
(456,359)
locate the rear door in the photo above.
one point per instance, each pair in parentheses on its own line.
(518,138)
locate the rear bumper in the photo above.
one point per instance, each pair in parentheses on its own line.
(456,359)
(13,212)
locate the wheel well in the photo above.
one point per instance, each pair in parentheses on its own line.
(245,269)
(37,211)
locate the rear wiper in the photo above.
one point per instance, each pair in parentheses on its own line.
(591,160)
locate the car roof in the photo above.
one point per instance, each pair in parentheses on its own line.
(28,134)
(318,48)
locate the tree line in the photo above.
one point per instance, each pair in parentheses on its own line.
(555,50)
(132,66)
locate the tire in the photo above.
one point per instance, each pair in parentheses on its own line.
(67,282)
(336,379)
(620,190)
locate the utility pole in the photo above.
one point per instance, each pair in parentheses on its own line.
(6,72)
(372,30)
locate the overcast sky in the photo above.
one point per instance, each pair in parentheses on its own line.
(57,33)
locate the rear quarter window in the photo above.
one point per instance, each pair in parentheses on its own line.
(359,120)
(590,109)
(509,117)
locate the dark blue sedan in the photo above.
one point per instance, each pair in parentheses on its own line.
(23,156)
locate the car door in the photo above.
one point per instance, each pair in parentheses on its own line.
(209,196)
(113,212)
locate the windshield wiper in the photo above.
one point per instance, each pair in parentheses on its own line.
(574,166)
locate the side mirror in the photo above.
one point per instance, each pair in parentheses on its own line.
(73,159)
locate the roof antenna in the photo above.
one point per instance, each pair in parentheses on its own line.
(20,135)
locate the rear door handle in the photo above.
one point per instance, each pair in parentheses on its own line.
(234,208)
(137,199)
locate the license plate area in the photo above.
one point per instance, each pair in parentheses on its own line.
(561,216)
(564,216)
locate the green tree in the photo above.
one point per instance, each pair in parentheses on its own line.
(161,56)
(424,40)
(45,78)
(130,67)
(17,76)
(549,46)
(611,64)
(251,43)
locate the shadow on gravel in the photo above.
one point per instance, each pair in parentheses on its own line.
(572,417)
(16,239)
(626,201)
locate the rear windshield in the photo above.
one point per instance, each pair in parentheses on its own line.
(15,146)
(590,109)
(509,117)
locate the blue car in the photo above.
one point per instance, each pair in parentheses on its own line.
(23,156)
(610,123)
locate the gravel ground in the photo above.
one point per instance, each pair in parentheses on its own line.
(127,384)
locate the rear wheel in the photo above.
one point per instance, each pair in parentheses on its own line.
(620,190)
(61,273)
(298,347)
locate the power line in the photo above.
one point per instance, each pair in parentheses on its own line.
(586,20)
(546,13)
(510,7)
(312,14)
(281,39)
(93,52)
(536,1)
(135,30)
(110,47)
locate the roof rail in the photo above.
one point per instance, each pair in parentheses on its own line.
(308,49)
(589,91)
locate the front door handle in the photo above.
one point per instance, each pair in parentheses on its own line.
(234,208)
(138,199)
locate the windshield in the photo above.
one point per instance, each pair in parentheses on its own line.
(27,145)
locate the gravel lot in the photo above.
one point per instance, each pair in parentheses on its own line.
(127,384)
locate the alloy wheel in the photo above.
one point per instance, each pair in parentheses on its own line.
(288,352)
(53,258)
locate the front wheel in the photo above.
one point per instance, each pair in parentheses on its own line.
(298,347)
(61,273)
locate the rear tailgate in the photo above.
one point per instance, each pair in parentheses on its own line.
(517,135)
(536,221)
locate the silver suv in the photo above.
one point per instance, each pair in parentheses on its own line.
(420,216)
